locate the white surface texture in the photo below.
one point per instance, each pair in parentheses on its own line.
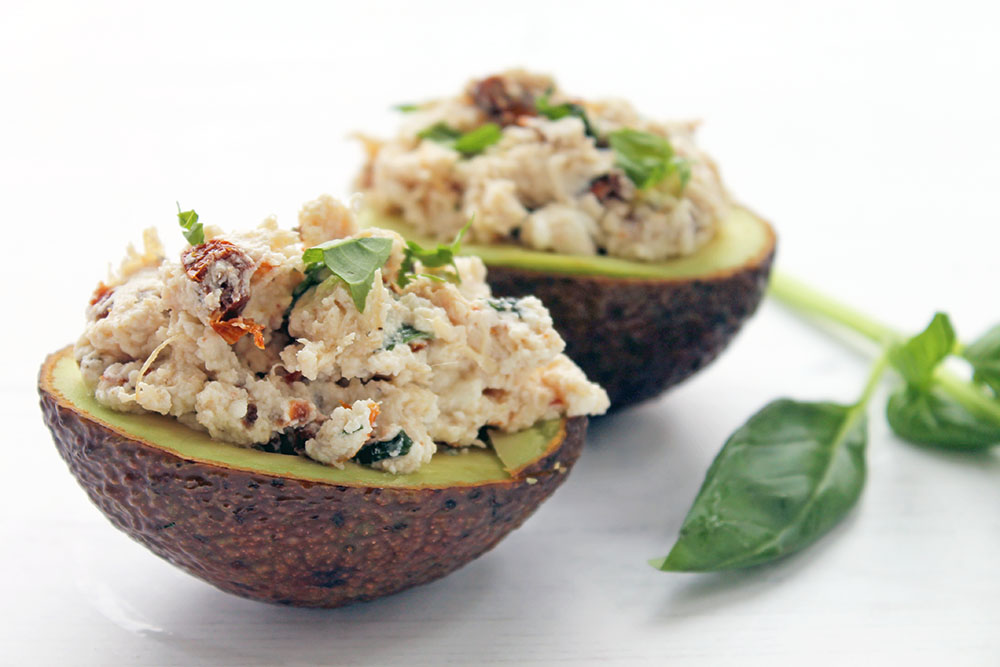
(866,131)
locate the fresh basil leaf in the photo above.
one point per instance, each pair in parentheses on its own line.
(781,481)
(354,261)
(440,132)
(388,449)
(557,111)
(917,358)
(435,258)
(931,417)
(194,232)
(405,335)
(478,139)
(469,143)
(984,356)
(647,159)
(313,256)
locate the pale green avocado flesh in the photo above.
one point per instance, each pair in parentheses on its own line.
(742,238)
(462,467)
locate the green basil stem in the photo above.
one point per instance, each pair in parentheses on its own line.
(799,296)
(873,379)
(805,299)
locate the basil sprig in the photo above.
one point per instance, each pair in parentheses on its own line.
(795,469)
(922,411)
(648,159)
(467,143)
(432,258)
(353,261)
(192,229)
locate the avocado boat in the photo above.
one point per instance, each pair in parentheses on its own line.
(619,223)
(287,530)
(636,328)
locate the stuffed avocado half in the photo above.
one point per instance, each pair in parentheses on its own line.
(619,224)
(288,530)
(314,416)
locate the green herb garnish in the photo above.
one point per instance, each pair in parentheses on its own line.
(795,469)
(557,111)
(647,159)
(193,231)
(406,108)
(442,133)
(353,261)
(468,143)
(505,304)
(388,449)
(405,335)
(436,258)
(478,139)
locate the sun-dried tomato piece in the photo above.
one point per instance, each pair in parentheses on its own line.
(233,329)
(495,97)
(221,265)
(299,412)
(608,186)
(101,300)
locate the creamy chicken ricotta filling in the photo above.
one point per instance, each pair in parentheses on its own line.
(241,338)
(540,168)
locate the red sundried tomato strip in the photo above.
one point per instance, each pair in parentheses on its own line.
(232,330)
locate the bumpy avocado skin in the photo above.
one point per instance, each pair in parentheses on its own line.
(639,337)
(291,541)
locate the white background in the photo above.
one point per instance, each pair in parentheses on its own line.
(867,132)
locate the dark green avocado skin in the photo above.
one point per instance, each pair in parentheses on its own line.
(639,337)
(292,541)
